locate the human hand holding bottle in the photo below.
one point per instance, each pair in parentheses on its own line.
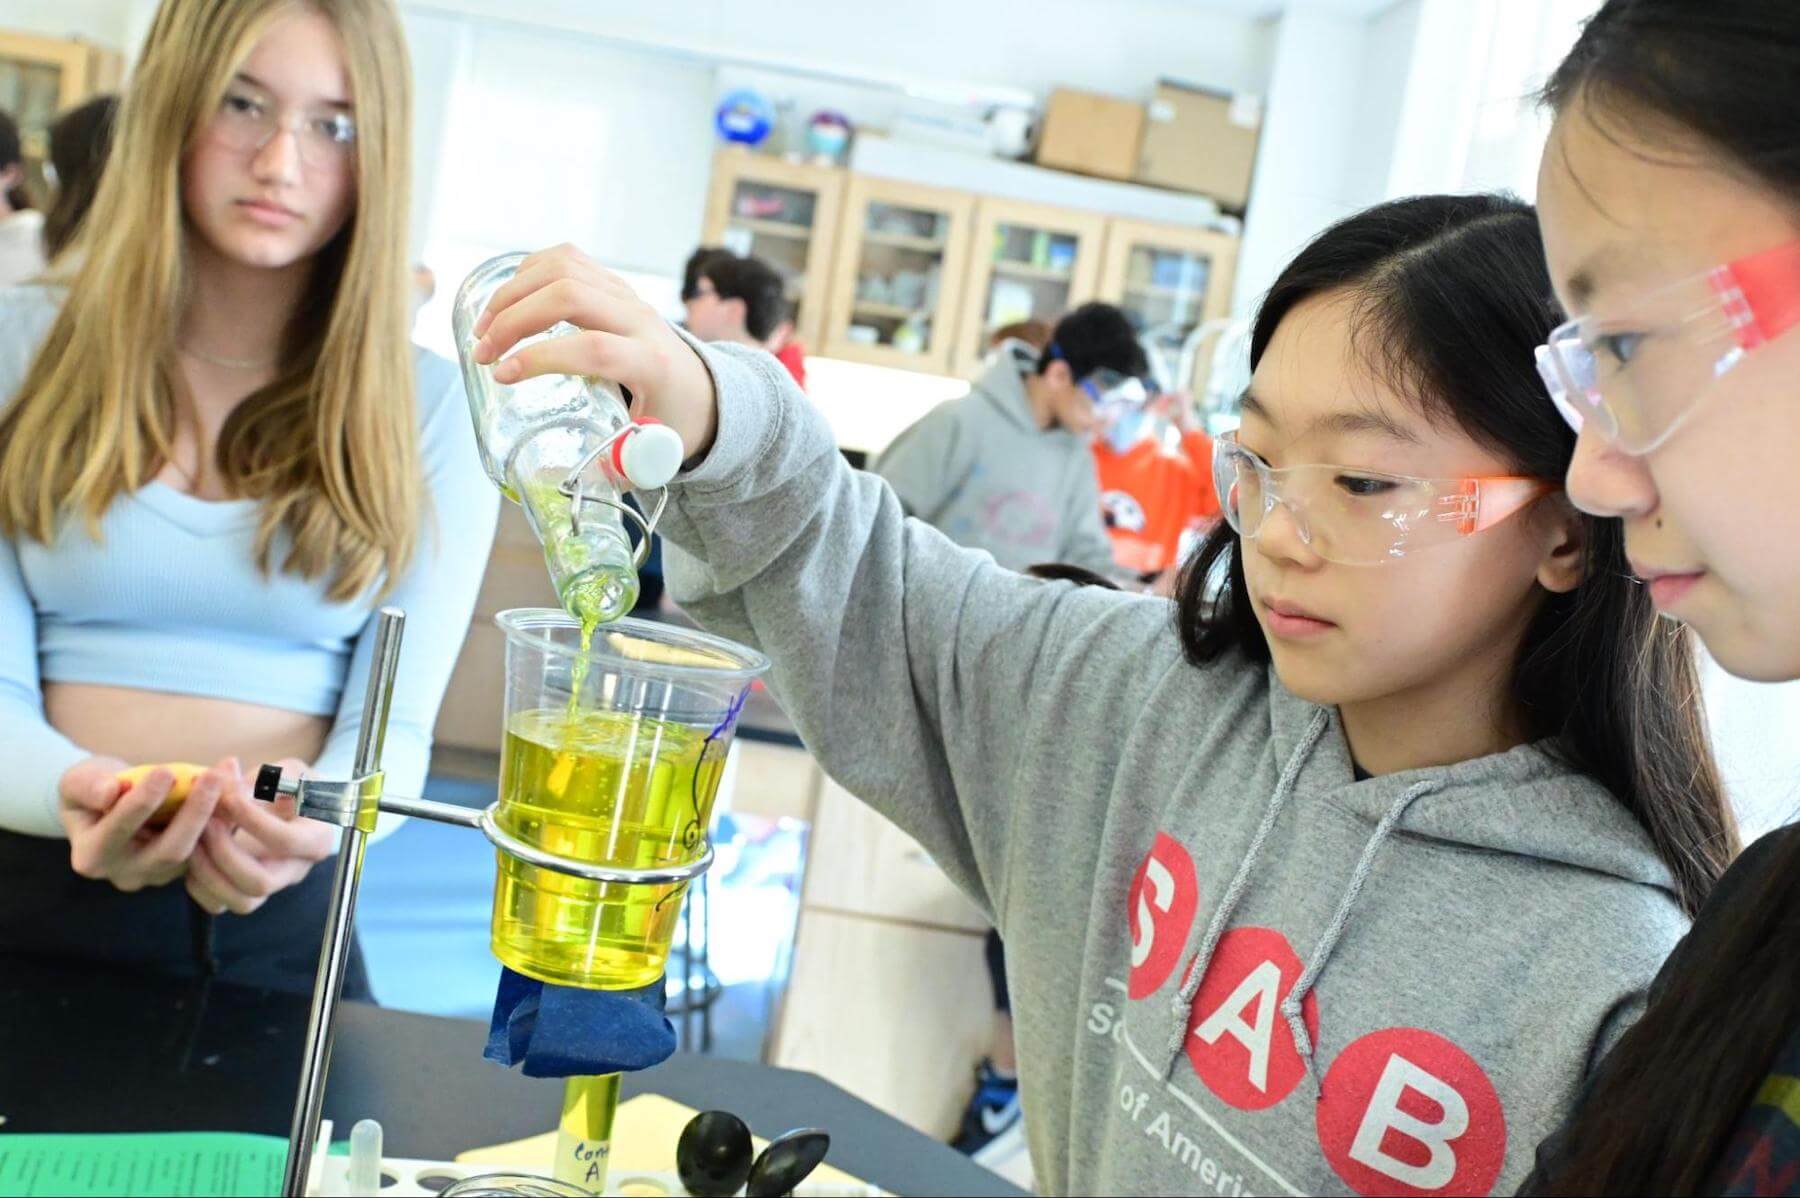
(623,339)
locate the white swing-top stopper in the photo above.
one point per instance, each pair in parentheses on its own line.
(649,455)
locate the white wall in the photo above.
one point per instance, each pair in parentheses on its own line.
(114,24)
(1311,140)
(1388,50)
(527,138)
(1121,45)
(1753,734)
(439,47)
(1421,96)
(101,21)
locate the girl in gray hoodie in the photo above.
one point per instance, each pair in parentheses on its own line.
(1335,875)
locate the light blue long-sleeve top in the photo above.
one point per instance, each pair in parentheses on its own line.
(170,599)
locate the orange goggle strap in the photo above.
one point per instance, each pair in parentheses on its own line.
(1481,503)
(1760,294)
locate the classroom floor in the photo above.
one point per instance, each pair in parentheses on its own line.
(427,895)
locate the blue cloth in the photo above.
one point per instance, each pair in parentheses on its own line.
(564,1031)
(169,599)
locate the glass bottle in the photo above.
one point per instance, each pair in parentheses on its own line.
(564,448)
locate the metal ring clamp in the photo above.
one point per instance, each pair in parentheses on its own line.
(662,875)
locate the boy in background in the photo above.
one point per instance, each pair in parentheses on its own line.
(1007,467)
(741,300)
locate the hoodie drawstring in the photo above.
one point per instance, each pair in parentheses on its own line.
(1198,963)
(1315,965)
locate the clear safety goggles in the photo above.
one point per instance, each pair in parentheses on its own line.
(1636,375)
(1358,517)
(1112,390)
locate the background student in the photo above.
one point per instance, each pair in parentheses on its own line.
(740,300)
(1007,468)
(218,454)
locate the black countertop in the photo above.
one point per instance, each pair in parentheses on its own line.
(89,1048)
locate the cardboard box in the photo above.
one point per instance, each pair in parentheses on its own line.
(1090,134)
(1200,141)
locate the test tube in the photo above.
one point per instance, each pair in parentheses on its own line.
(365,1159)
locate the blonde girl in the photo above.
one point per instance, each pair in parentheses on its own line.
(218,453)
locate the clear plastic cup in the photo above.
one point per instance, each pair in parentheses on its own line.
(612,757)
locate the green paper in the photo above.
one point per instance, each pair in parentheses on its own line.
(176,1163)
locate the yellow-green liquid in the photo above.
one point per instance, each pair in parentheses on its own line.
(593,573)
(607,787)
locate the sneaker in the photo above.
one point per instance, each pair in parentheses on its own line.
(992,1112)
(1009,1156)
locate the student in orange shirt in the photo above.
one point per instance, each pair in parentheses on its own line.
(1156,482)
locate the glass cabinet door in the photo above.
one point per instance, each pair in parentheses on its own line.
(784,213)
(899,276)
(900,271)
(775,223)
(1170,281)
(1029,263)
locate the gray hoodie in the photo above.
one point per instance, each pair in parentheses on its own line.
(1236,969)
(981,471)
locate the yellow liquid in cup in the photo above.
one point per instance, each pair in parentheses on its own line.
(606,787)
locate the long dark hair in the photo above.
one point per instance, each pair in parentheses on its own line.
(1662,1110)
(1453,297)
(79,141)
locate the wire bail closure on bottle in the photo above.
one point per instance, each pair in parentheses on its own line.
(573,489)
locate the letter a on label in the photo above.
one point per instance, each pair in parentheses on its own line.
(1238,1041)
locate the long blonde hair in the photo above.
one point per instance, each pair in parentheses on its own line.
(330,448)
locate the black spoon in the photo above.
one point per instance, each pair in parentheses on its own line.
(713,1155)
(786,1162)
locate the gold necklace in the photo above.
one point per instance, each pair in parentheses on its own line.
(229,363)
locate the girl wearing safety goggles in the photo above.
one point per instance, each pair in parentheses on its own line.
(1670,193)
(1284,872)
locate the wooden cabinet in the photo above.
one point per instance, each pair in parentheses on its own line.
(1169,280)
(1028,262)
(896,1014)
(889,995)
(900,274)
(786,214)
(860,863)
(896,287)
(40,77)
